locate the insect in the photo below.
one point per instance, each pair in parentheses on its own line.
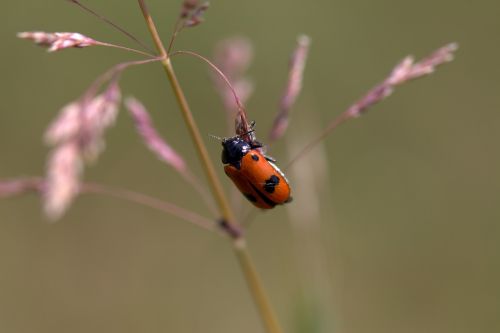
(254,174)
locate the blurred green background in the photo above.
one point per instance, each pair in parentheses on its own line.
(403,230)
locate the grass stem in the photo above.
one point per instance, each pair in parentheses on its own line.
(239,245)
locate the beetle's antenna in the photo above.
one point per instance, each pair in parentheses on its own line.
(216,137)
(244,134)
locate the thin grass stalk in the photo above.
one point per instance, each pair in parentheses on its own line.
(259,295)
(215,185)
(254,284)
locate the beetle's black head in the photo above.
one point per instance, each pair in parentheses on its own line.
(233,150)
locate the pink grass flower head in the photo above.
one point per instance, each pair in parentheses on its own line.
(98,115)
(233,57)
(151,137)
(64,165)
(64,169)
(405,71)
(66,124)
(78,135)
(408,70)
(86,122)
(164,152)
(196,17)
(187,7)
(56,41)
(293,87)
(192,12)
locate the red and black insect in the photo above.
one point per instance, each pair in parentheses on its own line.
(254,174)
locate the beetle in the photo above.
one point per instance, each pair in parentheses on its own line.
(254,174)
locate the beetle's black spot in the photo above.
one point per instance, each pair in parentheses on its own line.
(268,201)
(271,184)
(250,197)
(255,157)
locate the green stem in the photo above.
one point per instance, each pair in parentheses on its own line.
(259,294)
(239,246)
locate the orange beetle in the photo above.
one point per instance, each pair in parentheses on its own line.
(254,174)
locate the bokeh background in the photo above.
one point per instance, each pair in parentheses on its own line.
(402,233)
